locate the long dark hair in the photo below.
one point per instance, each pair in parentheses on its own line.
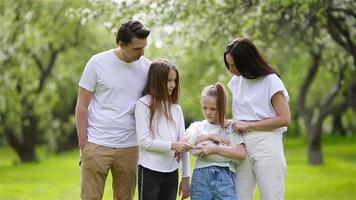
(217,90)
(156,87)
(248,60)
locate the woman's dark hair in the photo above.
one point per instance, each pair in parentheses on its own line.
(217,90)
(156,87)
(248,60)
(131,29)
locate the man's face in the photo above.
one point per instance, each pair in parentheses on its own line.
(134,50)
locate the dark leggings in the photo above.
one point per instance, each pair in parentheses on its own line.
(153,185)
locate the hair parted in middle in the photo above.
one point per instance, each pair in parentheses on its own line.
(156,87)
(217,90)
(248,60)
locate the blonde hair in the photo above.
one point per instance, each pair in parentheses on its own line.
(217,90)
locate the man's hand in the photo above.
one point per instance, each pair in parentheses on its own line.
(83,141)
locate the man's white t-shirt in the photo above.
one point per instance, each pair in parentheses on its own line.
(252,98)
(116,86)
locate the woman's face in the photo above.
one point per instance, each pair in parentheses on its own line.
(231,64)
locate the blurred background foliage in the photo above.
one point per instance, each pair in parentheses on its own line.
(45,44)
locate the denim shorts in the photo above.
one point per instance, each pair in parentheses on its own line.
(218,183)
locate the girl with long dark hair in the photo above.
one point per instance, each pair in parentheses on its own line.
(160,126)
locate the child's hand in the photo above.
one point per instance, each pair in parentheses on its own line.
(220,139)
(178,156)
(184,188)
(181,147)
(207,150)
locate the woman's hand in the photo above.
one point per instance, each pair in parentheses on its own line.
(241,126)
(181,147)
(282,118)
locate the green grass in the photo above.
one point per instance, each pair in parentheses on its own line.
(57,176)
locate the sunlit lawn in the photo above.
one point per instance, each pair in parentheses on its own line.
(57,177)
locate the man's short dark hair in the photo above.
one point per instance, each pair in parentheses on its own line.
(131,29)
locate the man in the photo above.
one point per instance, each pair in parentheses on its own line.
(110,85)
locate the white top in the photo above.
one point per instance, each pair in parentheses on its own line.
(200,128)
(155,152)
(116,86)
(252,98)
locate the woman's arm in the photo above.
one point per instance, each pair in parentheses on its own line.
(282,119)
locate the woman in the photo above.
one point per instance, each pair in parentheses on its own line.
(261,113)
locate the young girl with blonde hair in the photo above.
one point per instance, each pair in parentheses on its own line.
(217,147)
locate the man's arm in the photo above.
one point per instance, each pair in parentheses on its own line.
(81,115)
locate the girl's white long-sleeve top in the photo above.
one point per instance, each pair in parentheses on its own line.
(155,146)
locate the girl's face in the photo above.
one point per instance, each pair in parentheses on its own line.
(209,108)
(232,67)
(171,83)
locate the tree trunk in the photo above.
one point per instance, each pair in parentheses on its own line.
(24,148)
(26,143)
(338,127)
(294,127)
(29,131)
(27,153)
(315,154)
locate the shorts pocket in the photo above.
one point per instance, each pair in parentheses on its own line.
(227,185)
(199,185)
(83,152)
